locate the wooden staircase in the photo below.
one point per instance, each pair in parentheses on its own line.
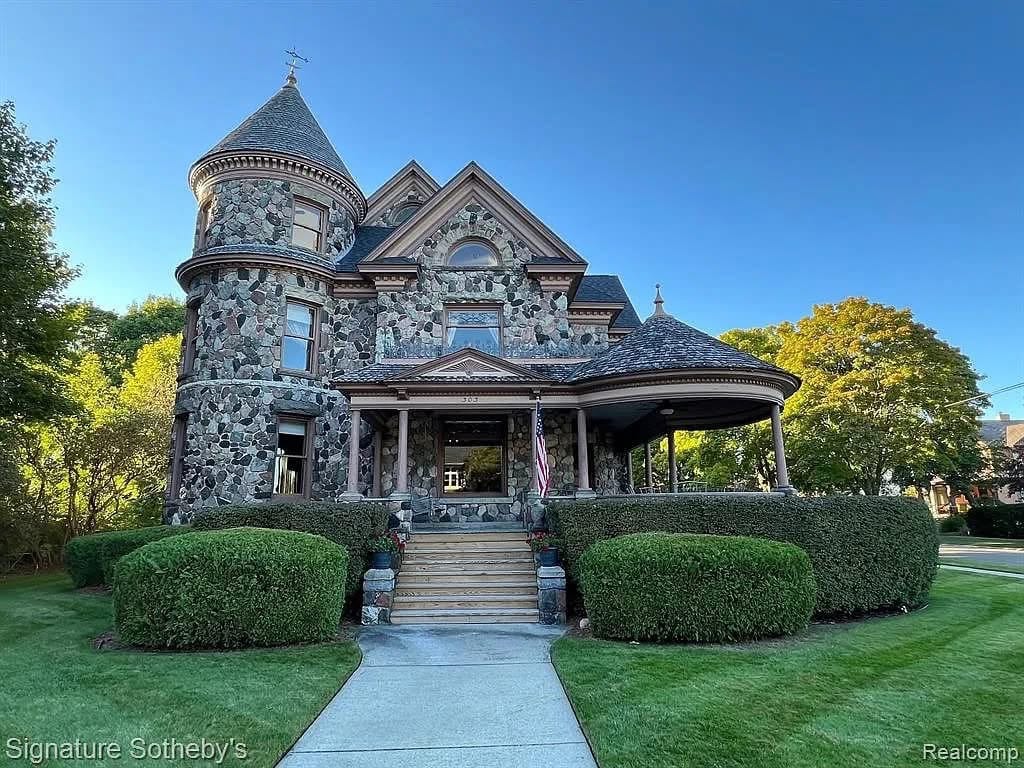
(485,577)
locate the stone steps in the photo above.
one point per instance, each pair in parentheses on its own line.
(466,616)
(484,577)
(481,587)
(462,600)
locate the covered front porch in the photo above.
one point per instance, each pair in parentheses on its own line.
(463,448)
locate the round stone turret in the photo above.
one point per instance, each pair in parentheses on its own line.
(277,209)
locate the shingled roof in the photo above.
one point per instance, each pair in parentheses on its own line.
(608,288)
(284,124)
(663,343)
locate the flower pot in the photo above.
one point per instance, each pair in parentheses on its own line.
(381,560)
(548,558)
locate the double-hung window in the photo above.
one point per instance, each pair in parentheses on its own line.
(298,346)
(291,465)
(308,225)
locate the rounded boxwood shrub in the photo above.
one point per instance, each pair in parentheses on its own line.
(90,559)
(349,524)
(230,589)
(704,589)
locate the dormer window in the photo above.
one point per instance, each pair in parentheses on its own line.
(308,225)
(472,253)
(404,213)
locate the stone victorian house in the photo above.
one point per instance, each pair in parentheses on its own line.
(342,346)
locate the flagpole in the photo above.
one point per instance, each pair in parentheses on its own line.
(534,470)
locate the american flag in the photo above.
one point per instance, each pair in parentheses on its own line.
(543,474)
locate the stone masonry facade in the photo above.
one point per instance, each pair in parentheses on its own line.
(243,271)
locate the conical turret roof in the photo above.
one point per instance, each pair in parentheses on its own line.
(284,124)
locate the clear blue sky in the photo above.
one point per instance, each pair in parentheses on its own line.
(755,158)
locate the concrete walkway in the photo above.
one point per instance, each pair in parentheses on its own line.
(451,696)
(983,571)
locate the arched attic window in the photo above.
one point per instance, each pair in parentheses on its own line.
(472,253)
(402,214)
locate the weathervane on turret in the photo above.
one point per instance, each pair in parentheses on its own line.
(293,65)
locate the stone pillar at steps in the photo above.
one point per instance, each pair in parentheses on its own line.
(378,595)
(551,594)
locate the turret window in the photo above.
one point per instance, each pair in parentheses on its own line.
(297,348)
(472,253)
(308,225)
(291,466)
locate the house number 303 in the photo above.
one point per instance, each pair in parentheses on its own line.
(471,399)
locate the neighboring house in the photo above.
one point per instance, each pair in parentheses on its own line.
(427,319)
(1003,431)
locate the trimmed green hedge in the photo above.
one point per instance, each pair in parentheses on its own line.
(230,589)
(350,525)
(90,559)
(1001,521)
(703,589)
(869,553)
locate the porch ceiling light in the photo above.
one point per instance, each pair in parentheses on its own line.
(666,411)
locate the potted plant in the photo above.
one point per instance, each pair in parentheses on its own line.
(545,546)
(383,547)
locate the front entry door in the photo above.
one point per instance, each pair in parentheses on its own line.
(471,459)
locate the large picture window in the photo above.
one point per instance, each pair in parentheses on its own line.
(292,461)
(473,456)
(297,347)
(308,225)
(475,328)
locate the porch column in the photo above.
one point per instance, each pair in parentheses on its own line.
(353,454)
(402,481)
(648,468)
(781,472)
(673,480)
(582,470)
(629,469)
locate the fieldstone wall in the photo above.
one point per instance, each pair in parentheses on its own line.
(412,193)
(242,320)
(560,439)
(261,211)
(535,323)
(231,441)
(609,466)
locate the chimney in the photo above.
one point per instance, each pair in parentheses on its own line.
(1004,416)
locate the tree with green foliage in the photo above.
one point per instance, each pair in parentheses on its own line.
(104,465)
(873,411)
(144,323)
(35,324)
(874,408)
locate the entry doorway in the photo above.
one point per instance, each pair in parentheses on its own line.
(472,455)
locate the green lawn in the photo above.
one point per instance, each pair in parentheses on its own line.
(863,694)
(57,688)
(980,541)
